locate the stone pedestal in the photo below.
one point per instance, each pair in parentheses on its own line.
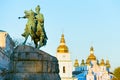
(28,63)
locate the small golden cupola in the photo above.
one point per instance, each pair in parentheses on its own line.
(82,62)
(107,64)
(91,56)
(102,63)
(62,48)
(76,64)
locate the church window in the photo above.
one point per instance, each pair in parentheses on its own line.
(63,69)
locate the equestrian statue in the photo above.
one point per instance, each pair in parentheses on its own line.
(35,27)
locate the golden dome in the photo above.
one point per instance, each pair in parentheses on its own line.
(91,56)
(87,62)
(62,48)
(107,64)
(82,63)
(76,64)
(102,63)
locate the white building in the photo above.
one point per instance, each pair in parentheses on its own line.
(6,42)
(6,48)
(64,60)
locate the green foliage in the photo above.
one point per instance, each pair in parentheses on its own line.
(116,73)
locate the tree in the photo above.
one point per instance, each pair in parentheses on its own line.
(116,73)
(19,41)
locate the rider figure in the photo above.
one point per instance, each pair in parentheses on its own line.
(40,23)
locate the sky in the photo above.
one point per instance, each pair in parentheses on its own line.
(85,23)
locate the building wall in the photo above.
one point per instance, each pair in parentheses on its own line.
(4,60)
(6,43)
(3,39)
(9,45)
(63,56)
(4,63)
(65,66)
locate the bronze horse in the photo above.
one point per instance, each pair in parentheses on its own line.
(34,29)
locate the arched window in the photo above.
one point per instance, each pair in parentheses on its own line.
(63,69)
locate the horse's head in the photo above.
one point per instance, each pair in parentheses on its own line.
(29,13)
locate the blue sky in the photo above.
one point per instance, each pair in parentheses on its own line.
(85,23)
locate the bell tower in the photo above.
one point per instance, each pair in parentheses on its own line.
(64,60)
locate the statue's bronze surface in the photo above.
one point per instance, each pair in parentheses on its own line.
(35,27)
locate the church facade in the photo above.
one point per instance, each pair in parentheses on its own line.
(91,69)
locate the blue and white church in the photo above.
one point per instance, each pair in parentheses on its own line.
(91,69)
